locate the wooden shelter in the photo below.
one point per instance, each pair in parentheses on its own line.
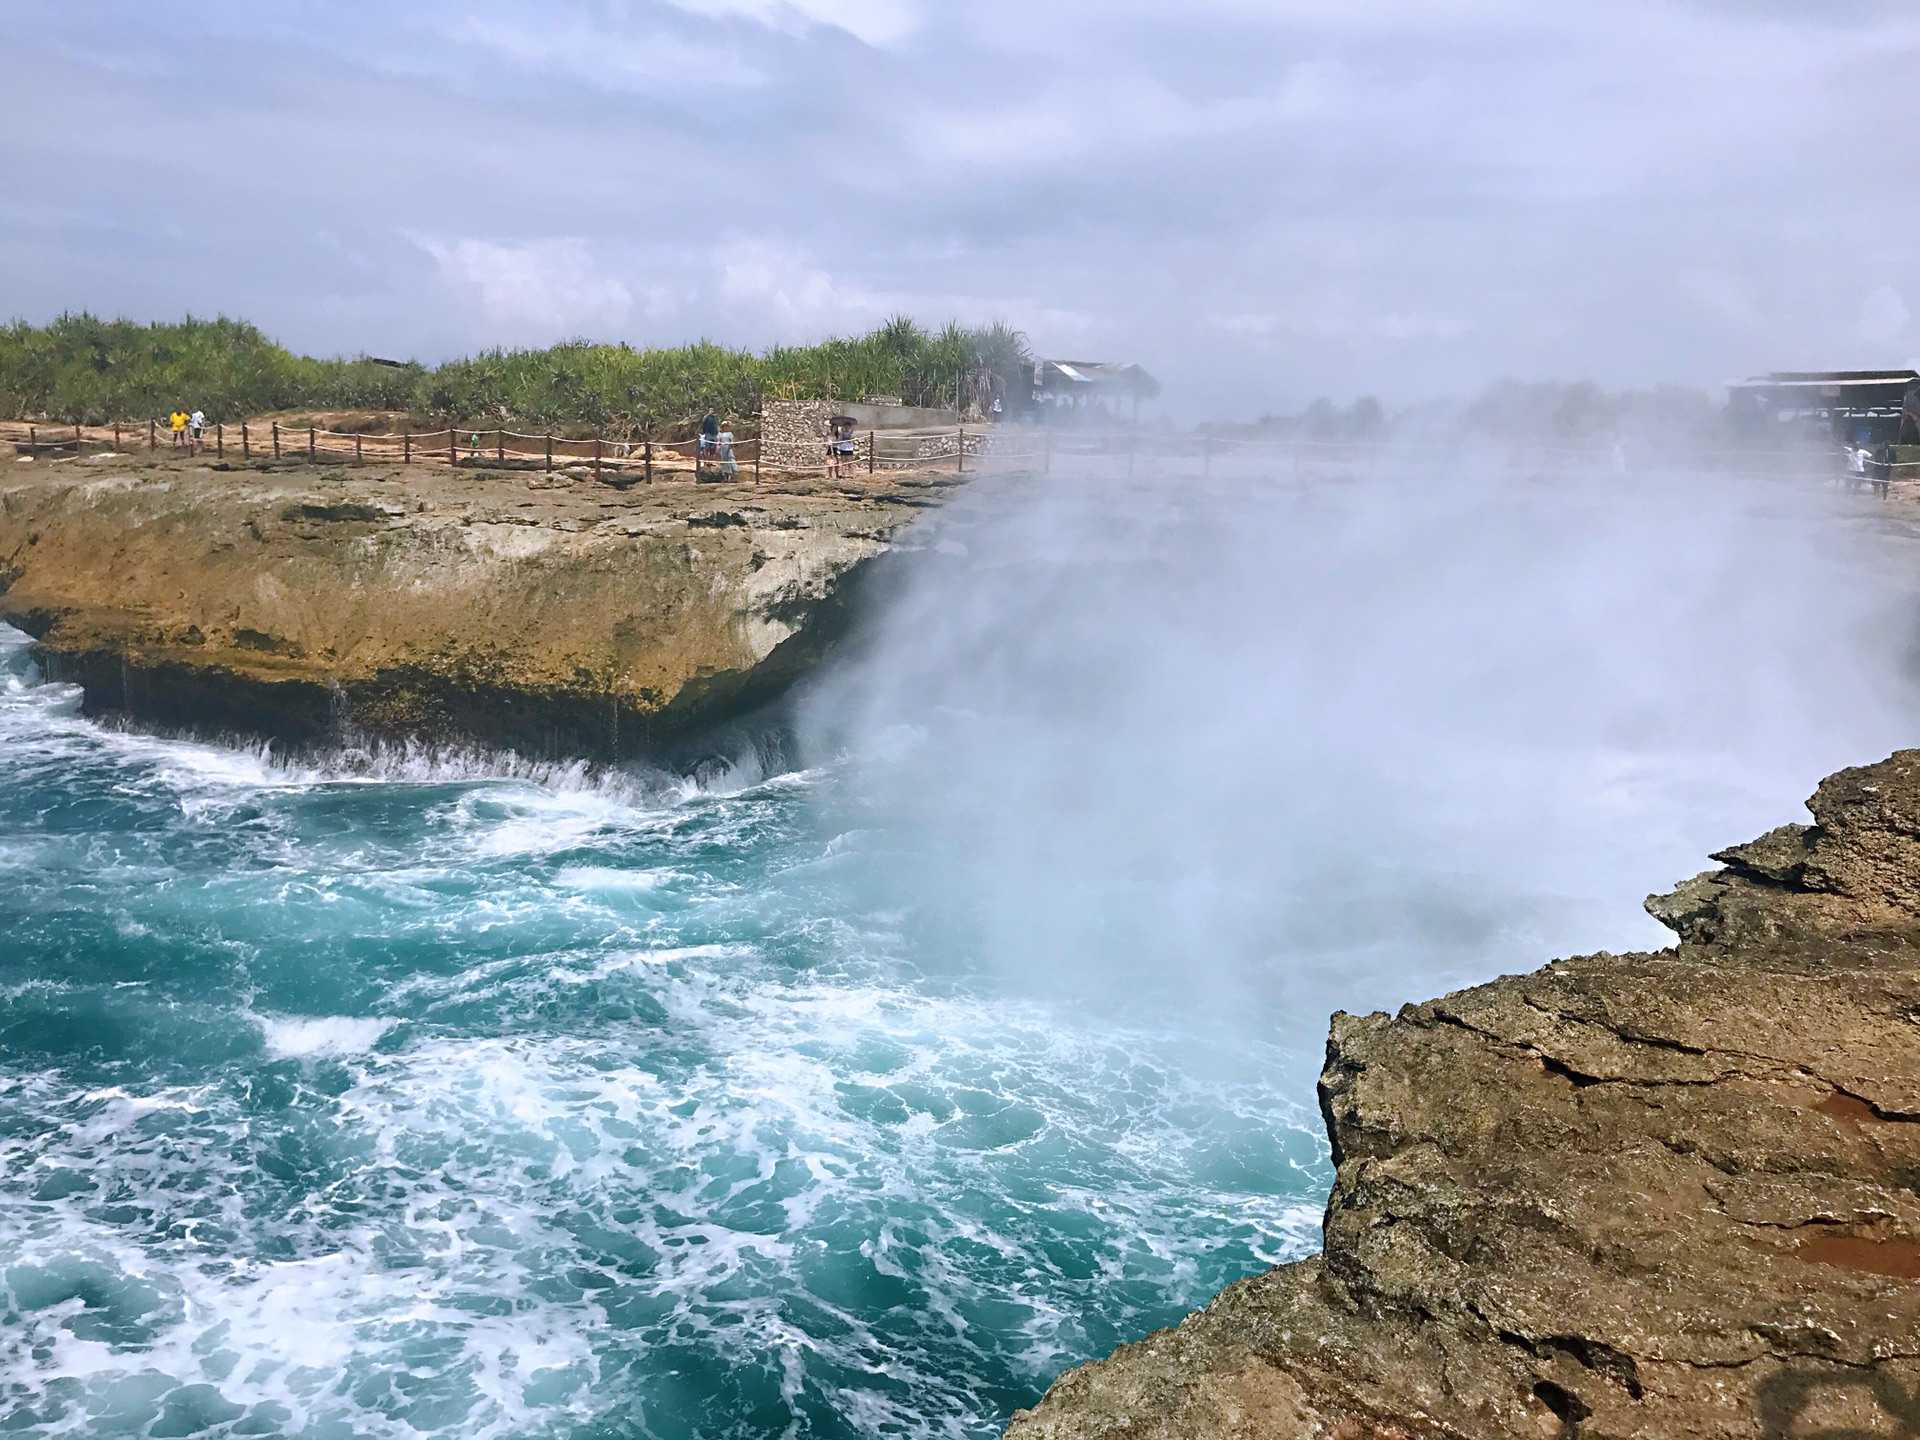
(1842,407)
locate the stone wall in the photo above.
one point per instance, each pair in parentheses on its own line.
(899,417)
(793,433)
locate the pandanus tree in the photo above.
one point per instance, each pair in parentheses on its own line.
(80,368)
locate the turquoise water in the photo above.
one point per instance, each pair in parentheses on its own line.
(859,1092)
(492,1106)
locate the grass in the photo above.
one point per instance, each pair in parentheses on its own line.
(81,369)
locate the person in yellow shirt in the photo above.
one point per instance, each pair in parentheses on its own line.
(177,426)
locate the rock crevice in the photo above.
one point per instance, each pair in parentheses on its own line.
(1662,1194)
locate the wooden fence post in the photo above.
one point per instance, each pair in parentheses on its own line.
(33,442)
(77,437)
(596,457)
(453,445)
(356,447)
(406,447)
(960,458)
(647,456)
(276,439)
(246,442)
(873,450)
(116,435)
(549,452)
(500,446)
(312,449)
(153,437)
(220,440)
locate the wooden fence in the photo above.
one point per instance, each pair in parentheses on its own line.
(620,461)
(960,450)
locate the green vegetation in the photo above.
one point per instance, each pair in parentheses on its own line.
(82,369)
(88,371)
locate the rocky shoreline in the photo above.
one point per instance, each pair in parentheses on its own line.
(543,613)
(1666,1194)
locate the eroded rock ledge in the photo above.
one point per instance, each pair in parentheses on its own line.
(1670,1194)
(553,615)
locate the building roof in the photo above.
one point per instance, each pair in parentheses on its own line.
(1826,379)
(1093,377)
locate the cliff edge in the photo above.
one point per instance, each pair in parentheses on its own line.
(1668,1194)
(544,612)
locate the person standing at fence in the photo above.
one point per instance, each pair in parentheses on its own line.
(723,446)
(196,429)
(709,433)
(177,426)
(840,445)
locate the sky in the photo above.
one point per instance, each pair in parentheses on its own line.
(1262,201)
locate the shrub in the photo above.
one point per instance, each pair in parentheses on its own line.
(83,369)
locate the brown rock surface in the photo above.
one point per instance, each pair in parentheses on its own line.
(1668,1194)
(542,611)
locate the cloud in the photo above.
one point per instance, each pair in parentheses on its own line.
(1722,297)
(877,22)
(1072,118)
(1261,200)
(1332,318)
(535,291)
(573,45)
(793,296)
(1883,316)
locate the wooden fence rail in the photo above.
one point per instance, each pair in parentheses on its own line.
(959,450)
(457,447)
(871,451)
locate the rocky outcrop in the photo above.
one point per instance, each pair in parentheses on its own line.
(1670,1194)
(547,613)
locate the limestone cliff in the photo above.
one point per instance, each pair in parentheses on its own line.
(1670,1194)
(549,613)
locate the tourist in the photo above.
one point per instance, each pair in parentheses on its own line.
(196,429)
(709,433)
(1857,457)
(723,444)
(840,446)
(177,426)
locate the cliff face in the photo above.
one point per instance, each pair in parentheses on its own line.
(550,614)
(1671,1194)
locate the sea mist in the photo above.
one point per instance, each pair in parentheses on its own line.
(1247,749)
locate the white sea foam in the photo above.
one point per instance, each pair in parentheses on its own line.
(481,1147)
(303,1037)
(601,877)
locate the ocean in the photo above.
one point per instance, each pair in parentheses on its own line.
(484,1106)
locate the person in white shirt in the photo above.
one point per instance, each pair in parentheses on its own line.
(196,426)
